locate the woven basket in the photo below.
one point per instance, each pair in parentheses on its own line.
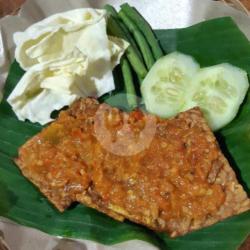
(12,6)
(238,5)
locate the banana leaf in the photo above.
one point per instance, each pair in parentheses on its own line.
(210,42)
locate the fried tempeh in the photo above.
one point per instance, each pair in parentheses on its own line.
(177,183)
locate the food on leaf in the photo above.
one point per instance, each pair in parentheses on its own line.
(178,183)
(112,12)
(67,56)
(176,83)
(116,29)
(62,184)
(165,88)
(140,39)
(145,28)
(219,91)
(54,37)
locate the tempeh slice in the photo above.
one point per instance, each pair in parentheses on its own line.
(176,181)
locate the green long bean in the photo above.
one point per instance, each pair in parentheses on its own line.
(129,84)
(145,28)
(115,29)
(140,39)
(112,11)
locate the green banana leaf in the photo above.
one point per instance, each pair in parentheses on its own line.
(210,42)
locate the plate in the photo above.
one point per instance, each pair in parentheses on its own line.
(169,15)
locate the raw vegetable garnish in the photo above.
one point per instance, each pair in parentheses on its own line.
(66,56)
(176,83)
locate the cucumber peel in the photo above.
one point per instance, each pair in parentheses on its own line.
(176,83)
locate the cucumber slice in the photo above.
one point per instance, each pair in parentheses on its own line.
(164,89)
(176,83)
(218,91)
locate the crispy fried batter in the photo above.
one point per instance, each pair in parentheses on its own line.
(180,182)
